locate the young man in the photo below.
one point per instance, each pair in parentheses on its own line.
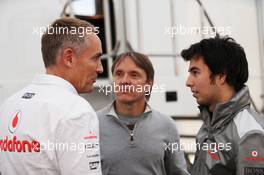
(47,128)
(231,139)
(134,138)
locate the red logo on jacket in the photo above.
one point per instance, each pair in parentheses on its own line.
(13,143)
(14,122)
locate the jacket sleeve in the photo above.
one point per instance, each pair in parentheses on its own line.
(174,157)
(78,153)
(250,156)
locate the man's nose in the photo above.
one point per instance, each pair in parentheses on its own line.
(189,81)
(99,68)
(125,79)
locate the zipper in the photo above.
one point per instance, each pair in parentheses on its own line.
(131,133)
(131,136)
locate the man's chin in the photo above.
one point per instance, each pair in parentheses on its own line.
(125,99)
(86,90)
(201,103)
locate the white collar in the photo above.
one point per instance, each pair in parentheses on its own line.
(54,80)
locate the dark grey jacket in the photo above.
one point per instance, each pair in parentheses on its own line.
(238,131)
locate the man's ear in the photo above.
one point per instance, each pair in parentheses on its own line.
(150,84)
(221,78)
(67,57)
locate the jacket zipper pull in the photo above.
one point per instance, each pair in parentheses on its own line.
(131,136)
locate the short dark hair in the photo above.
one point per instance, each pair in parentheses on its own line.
(223,56)
(140,60)
(62,33)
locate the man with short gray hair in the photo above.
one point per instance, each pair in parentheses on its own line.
(47,128)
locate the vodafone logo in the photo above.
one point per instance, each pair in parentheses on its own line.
(254,153)
(14,143)
(14,122)
(254,156)
(213,155)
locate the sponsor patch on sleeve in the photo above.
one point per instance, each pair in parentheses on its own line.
(254,171)
(28,95)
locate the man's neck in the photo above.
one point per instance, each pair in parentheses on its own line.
(225,95)
(130,109)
